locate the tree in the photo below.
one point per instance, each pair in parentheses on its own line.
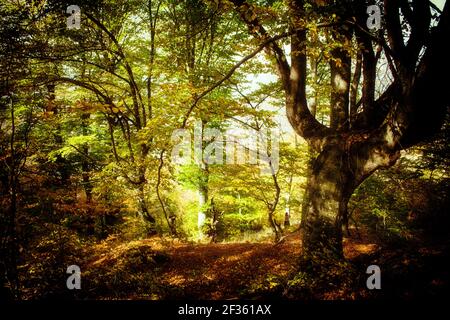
(271,187)
(410,109)
(19,100)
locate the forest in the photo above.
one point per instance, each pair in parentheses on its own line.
(224,149)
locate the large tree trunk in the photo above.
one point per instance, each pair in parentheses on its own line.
(336,172)
(327,193)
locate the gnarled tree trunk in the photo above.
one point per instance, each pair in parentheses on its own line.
(324,206)
(336,172)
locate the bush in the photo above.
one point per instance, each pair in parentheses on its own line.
(233,224)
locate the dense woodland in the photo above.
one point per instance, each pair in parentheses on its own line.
(316,145)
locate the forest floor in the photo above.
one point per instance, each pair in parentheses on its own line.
(200,271)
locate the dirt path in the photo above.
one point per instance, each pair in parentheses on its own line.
(227,271)
(197,271)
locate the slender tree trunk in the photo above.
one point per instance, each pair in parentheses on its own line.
(85,167)
(143,204)
(287,208)
(11,246)
(170,217)
(277,231)
(215,215)
(203,188)
(202,200)
(272,206)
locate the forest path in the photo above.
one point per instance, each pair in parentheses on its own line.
(205,271)
(230,270)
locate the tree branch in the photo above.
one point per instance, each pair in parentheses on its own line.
(255,28)
(229,74)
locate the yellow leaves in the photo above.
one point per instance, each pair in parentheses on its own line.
(48,114)
(86,106)
(273,284)
(115,109)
